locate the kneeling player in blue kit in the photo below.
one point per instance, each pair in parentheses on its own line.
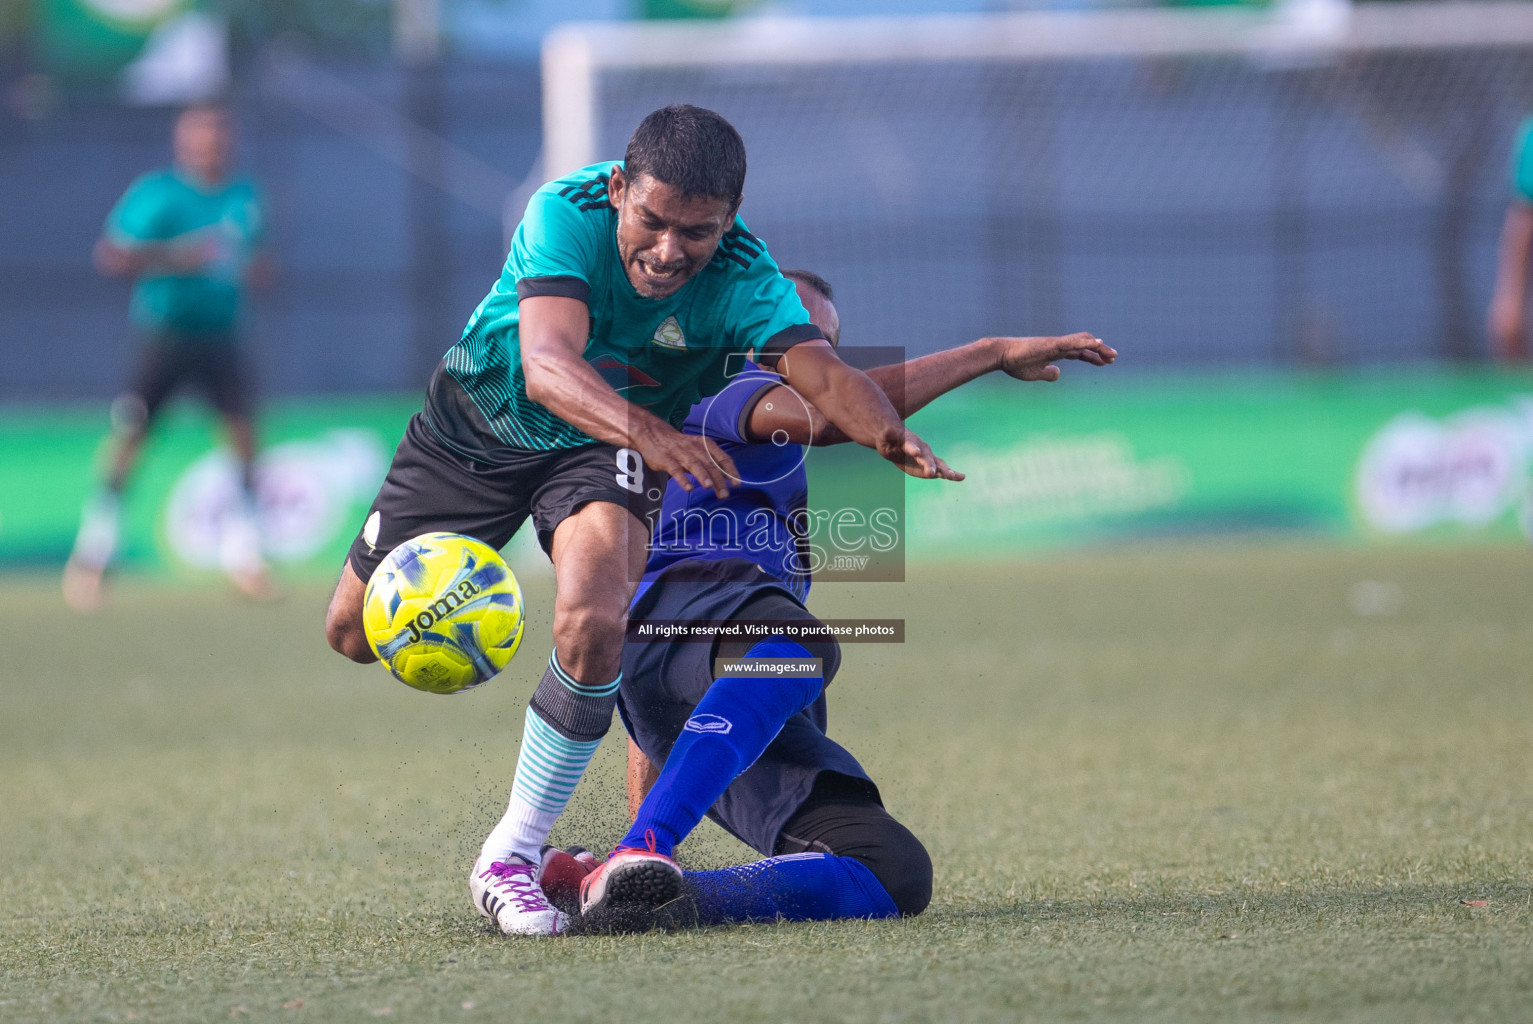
(747,746)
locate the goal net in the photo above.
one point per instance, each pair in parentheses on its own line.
(1310,183)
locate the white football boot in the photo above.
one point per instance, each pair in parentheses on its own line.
(507,892)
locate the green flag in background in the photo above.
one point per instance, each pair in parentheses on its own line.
(94,39)
(662,9)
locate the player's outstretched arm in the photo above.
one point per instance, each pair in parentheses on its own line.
(853,402)
(914,384)
(115,260)
(553,332)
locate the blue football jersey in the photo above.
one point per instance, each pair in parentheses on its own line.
(764,519)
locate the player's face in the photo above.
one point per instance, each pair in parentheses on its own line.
(203,139)
(664,238)
(822,312)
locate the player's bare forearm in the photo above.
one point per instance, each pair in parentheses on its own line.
(115,260)
(909,386)
(851,400)
(552,332)
(847,397)
(914,384)
(572,390)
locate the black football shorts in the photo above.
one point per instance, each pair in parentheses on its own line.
(431,487)
(214,366)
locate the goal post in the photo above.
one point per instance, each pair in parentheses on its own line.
(1311,182)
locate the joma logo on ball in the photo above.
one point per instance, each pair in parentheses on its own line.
(444,605)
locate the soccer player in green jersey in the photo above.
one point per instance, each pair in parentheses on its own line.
(631,291)
(1509,304)
(188,237)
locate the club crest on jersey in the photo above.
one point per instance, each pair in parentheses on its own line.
(668,335)
(706,723)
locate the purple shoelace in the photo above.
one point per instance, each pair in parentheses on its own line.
(516,883)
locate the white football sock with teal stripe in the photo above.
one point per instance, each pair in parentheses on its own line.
(565,724)
(100,524)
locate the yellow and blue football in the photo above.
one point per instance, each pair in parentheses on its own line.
(443,612)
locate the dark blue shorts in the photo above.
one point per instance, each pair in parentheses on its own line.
(663,681)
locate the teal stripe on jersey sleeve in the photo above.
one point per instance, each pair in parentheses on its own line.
(499,391)
(763,302)
(1522,162)
(558,236)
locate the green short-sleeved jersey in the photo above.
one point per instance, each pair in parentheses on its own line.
(1522,162)
(167,207)
(661,354)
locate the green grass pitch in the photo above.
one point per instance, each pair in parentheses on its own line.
(1189,784)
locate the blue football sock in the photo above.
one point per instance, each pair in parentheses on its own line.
(797,887)
(728,730)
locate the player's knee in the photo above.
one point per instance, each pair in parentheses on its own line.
(587,633)
(343,621)
(862,830)
(347,637)
(909,881)
(904,868)
(129,417)
(895,856)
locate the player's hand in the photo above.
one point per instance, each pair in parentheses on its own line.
(906,450)
(690,460)
(1033,358)
(112,260)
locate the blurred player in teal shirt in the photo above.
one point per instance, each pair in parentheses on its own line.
(1509,305)
(189,238)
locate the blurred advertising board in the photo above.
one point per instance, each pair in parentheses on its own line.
(1430,454)
(320,466)
(1378,457)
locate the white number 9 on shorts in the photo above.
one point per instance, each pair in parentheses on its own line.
(630,470)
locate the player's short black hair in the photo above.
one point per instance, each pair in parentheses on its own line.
(693,150)
(813,280)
